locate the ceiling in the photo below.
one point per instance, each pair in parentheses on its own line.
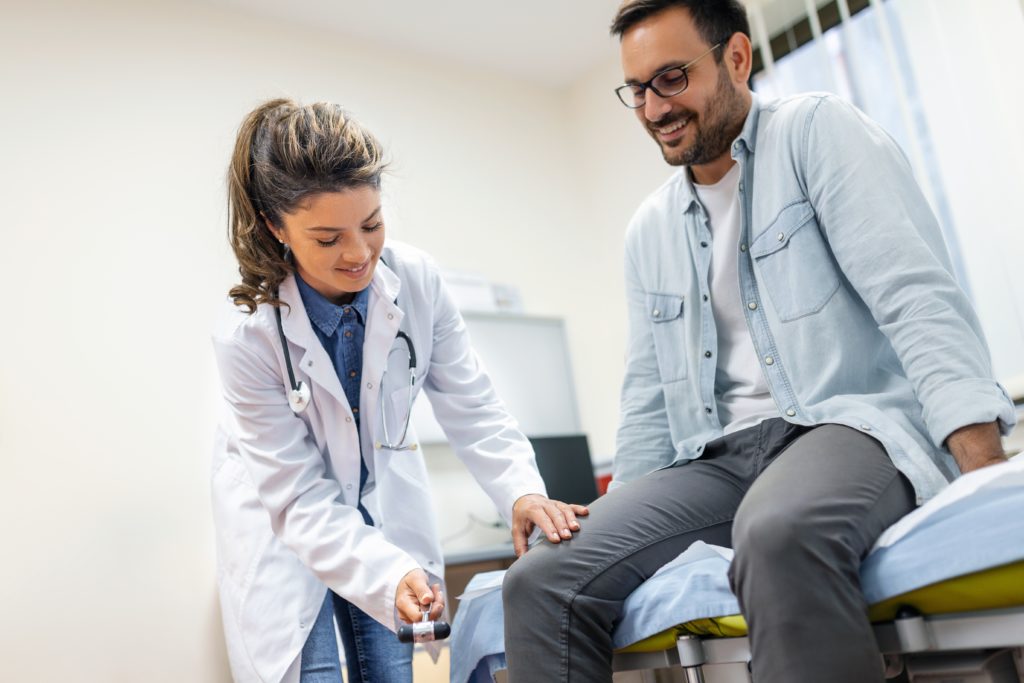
(549,42)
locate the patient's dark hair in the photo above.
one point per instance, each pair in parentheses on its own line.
(716,20)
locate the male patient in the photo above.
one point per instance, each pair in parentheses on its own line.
(802,370)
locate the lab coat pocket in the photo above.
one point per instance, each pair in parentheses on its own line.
(398,415)
(794,263)
(242,527)
(665,311)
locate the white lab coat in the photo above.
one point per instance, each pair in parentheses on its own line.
(285,486)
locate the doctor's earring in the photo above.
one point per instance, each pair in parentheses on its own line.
(287,250)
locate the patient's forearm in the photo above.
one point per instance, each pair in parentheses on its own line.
(976,446)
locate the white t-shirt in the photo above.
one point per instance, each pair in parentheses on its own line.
(740,387)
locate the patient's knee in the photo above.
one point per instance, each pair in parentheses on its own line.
(773,535)
(531,577)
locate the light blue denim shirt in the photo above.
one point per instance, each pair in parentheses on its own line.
(848,293)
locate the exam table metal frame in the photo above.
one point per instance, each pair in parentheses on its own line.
(966,647)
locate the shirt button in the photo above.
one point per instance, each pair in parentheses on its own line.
(866,428)
(707,354)
(346,311)
(741,187)
(707,409)
(790,412)
(781,236)
(390,317)
(348,333)
(743,247)
(656,313)
(355,410)
(369,385)
(752,305)
(348,487)
(705,297)
(348,419)
(351,373)
(703,244)
(768,360)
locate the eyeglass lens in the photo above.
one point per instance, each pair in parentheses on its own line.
(666,84)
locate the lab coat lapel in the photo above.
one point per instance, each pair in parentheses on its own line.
(383,320)
(298,330)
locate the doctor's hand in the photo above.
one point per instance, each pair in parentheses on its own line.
(414,595)
(556,519)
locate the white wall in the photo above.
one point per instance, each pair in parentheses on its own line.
(118,121)
(618,165)
(966,59)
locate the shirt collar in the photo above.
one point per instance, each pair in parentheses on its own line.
(748,136)
(325,314)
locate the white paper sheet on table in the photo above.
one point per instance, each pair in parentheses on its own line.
(483,583)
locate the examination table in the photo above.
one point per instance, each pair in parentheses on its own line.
(945,587)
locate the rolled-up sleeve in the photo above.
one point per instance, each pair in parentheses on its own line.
(888,244)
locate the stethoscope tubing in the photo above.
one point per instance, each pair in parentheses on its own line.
(299,394)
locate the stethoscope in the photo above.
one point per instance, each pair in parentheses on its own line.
(299,395)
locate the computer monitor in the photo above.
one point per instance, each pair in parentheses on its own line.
(564,464)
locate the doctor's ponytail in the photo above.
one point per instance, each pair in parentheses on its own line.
(284,153)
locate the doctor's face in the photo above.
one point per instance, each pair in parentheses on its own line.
(336,239)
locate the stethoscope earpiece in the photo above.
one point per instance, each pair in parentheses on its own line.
(298,398)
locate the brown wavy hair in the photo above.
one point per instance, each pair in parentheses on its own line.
(284,153)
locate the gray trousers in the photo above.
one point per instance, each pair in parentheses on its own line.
(801,507)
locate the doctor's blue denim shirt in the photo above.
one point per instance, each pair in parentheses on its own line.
(341,330)
(847,288)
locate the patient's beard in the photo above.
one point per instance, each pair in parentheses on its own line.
(718,125)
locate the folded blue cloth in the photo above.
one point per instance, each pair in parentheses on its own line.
(478,634)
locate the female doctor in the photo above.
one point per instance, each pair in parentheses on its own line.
(320,493)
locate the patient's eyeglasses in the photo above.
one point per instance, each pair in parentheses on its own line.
(666,83)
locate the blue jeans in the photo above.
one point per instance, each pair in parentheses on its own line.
(372,652)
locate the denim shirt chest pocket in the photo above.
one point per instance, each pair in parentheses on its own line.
(794,263)
(665,311)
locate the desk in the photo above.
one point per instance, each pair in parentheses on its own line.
(462,565)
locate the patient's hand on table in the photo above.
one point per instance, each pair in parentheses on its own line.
(556,519)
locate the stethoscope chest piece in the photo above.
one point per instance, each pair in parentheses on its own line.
(299,394)
(298,398)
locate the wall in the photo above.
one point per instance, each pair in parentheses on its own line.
(118,120)
(965,57)
(618,165)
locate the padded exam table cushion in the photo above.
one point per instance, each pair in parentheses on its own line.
(989,589)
